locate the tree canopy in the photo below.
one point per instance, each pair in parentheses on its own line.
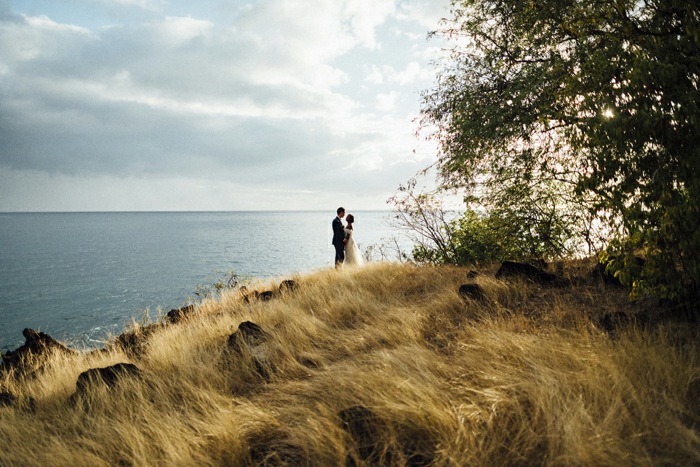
(587,105)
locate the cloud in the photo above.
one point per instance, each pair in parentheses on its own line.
(268,98)
(143,4)
(413,72)
(28,39)
(426,12)
(365,17)
(386,102)
(176,32)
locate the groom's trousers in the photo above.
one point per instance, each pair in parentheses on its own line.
(339,254)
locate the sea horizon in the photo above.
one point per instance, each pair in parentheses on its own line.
(189,211)
(81,276)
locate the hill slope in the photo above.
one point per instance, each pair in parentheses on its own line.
(386,364)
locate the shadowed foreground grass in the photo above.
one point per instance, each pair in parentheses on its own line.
(388,365)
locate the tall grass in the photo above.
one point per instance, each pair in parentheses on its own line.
(385,364)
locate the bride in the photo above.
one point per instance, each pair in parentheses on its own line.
(352,253)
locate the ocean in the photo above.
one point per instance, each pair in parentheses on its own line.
(81,277)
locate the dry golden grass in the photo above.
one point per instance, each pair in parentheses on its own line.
(386,365)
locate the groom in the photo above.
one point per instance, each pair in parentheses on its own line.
(339,240)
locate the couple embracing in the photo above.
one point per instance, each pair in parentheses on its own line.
(346,250)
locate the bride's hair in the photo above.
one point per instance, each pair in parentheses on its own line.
(350,220)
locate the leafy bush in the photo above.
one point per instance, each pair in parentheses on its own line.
(600,97)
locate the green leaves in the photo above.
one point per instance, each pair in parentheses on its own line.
(593,103)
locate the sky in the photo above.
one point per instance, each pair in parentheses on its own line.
(174,105)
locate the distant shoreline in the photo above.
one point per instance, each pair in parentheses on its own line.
(330,211)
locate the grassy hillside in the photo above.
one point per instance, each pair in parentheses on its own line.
(386,364)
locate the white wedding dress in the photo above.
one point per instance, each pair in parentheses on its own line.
(352,253)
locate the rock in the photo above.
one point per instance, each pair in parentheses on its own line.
(7,398)
(365,428)
(134,342)
(261,296)
(514,269)
(251,296)
(309,362)
(246,336)
(472,274)
(37,344)
(288,285)
(611,322)
(274,447)
(606,276)
(262,368)
(177,315)
(249,341)
(107,376)
(473,291)
(600,271)
(367,432)
(414,459)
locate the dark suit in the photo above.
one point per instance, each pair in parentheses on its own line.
(338,238)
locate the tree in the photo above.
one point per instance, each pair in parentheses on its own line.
(592,102)
(428,225)
(532,230)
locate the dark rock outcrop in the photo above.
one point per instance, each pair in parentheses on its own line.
(266,295)
(133,343)
(247,336)
(7,398)
(601,272)
(612,322)
(259,296)
(249,297)
(251,341)
(365,429)
(179,314)
(288,285)
(473,291)
(107,377)
(274,447)
(515,269)
(36,346)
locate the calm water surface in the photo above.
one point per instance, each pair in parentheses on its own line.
(83,276)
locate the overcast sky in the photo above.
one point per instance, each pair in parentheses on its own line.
(212,105)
